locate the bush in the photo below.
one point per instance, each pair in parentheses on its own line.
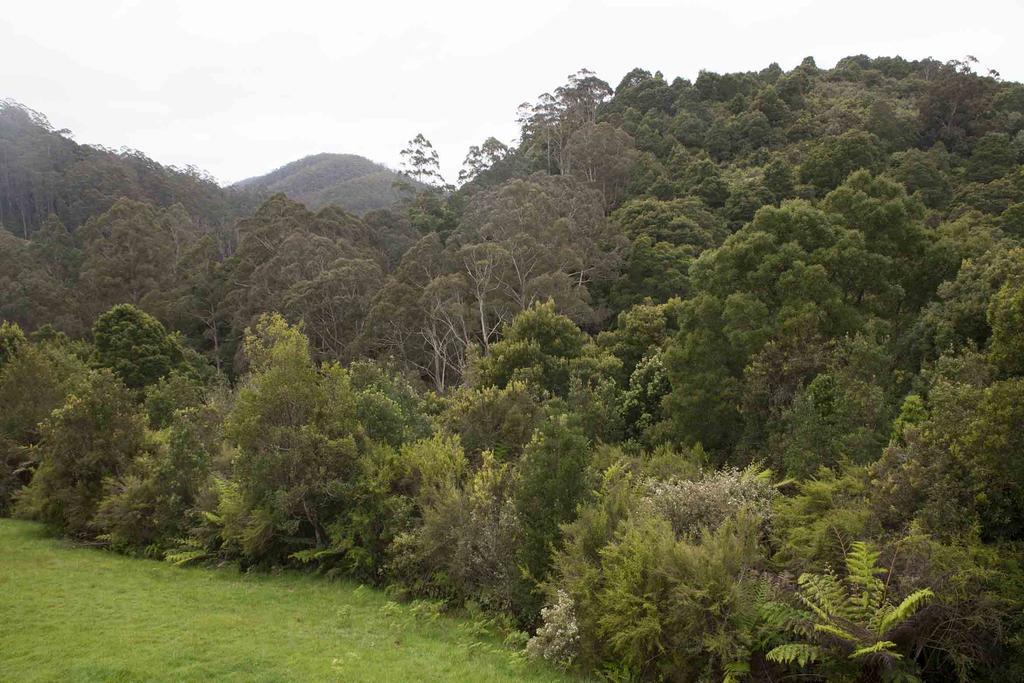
(552,482)
(34,382)
(390,409)
(465,547)
(94,436)
(557,640)
(492,419)
(298,441)
(151,505)
(677,609)
(705,503)
(135,346)
(169,394)
(11,339)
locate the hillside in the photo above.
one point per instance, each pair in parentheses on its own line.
(703,380)
(43,171)
(352,182)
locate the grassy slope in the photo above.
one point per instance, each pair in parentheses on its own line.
(78,614)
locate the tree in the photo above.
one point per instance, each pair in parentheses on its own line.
(992,157)
(11,339)
(95,435)
(537,348)
(420,162)
(954,105)
(603,156)
(551,484)
(548,125)
(481,158)
(33,384)
(551,238)
(295,428)
(135,346)
(129,257)
(1006,318)
(832,159)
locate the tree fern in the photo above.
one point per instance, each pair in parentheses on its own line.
(862,573)
(886,647)
(801,654)
(906,609)
(846,622)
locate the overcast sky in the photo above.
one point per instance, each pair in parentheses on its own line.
(240,88)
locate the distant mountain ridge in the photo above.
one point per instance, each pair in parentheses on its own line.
(350,181)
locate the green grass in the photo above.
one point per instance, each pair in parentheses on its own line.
(77,614)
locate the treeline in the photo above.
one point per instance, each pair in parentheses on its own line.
(700,381)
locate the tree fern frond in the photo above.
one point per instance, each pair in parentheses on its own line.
(781,615)
(905,609)
(862,566)
(882,646)
(834,630)
(823,594)
(800,653)
(736,671)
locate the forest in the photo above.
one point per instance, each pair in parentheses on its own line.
(709,380)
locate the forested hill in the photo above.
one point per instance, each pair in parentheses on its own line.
(350,181)
(44,172)
(710,379)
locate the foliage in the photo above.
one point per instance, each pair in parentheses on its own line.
(852,625)
(659,291)
(135,346)
(11,339)
(298,439)
(95,435)
(32,384)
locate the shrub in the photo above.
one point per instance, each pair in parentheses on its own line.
(390,409)
(33,383)
(678,609)
(557,640)
(552,482)
(298,440)
(705,503)
(169,394)
(95,435)
(151,505)
(11,339)
(492,419)
(135,346)
(465,547)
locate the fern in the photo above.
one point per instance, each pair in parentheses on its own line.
(862,574)
(906,609)
(822,593)
(801,654)
(833,630)
(882,646)
(182,557)
(850,617)
(189,550)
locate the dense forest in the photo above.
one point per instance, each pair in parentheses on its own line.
(352,182)
(709,380)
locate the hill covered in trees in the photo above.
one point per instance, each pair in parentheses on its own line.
(349,181)
(717,379)
(44,172)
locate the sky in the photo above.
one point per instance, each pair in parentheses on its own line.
(241,88)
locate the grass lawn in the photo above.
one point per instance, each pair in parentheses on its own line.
(77,614)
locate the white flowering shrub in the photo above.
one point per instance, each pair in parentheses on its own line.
(558,639)
(706,502)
